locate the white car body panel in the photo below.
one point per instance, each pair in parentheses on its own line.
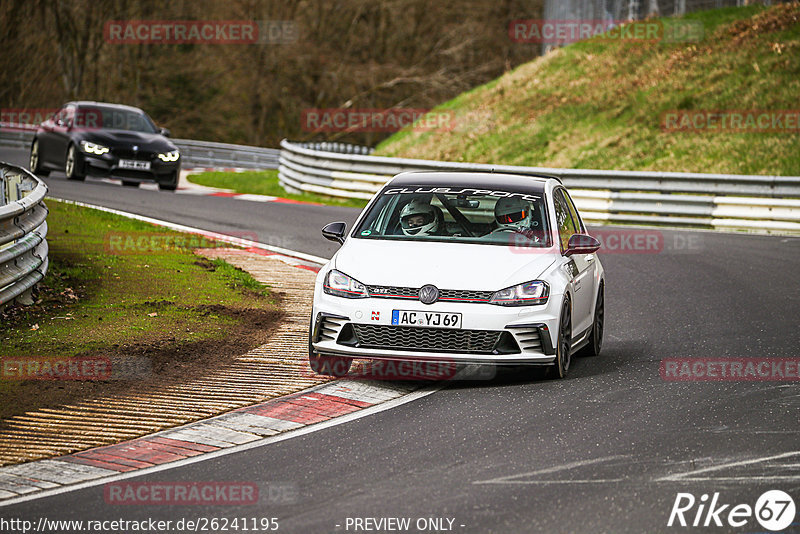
(414,264)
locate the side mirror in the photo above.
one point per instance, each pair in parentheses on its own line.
(582,244)
(165,132)
(335,231)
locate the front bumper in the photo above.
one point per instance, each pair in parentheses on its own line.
(108,165)
(361,328)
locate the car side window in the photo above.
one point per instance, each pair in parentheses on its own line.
(60,117)
(579,227)
(67,116)
(566,227)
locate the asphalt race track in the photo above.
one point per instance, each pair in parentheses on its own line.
(606,450)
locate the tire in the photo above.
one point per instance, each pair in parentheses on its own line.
(128,183)
(73,166)
(171,185)
(327,365)
(596,341)
(563,345)
(35,163)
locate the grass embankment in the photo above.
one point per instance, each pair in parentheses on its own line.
(124,290)
(600,103)
(265,183)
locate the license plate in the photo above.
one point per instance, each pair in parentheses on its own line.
(134,164)
(431,319)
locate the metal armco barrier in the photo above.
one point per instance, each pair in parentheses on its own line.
(208,154)
(724,201)
(23,228)
(193,153)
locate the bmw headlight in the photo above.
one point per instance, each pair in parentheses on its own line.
(173,155)
(527,294)
(93,148)
(339,284)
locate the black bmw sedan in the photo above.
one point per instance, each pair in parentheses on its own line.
(98,139)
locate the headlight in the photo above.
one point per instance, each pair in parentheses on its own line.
(93,148)
(170,156)
(341,285)
(527,294)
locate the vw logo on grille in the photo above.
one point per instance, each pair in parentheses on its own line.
(428,294)
(136,148)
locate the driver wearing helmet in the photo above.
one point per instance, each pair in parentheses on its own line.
(418,217)
(512,213)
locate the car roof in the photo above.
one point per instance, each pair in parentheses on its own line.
(85,103)
(478,180)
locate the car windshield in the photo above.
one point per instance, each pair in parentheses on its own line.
(457,214)
(114,118)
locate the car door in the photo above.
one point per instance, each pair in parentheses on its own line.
(579,267)
(47,138)
(62,134)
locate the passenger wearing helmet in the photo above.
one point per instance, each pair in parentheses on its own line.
(512,214)
(418,217)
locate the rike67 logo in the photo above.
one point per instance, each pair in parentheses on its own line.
(774,511)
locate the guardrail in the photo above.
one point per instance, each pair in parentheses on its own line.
(725,201)
(194,153)
(23,228)
(208,154)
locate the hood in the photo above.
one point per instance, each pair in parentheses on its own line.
(116,138)
(445,265)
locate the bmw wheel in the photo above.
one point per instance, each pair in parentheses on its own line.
(172,185)
(73,166)
(564,344)
(35,162)
(596,341)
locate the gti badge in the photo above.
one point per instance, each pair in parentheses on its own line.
(428,294)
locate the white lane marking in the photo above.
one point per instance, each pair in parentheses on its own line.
(754,478)
(510,479)
(192,230)
(689,475)
(545,482)
(424,392)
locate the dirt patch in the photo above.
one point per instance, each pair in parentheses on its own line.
(158,358)
(770,21)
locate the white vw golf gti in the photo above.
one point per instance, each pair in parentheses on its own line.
(460,267)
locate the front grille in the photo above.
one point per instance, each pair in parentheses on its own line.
(426,339)
(465,295)
(127,153)
(393,292)
(412,293)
